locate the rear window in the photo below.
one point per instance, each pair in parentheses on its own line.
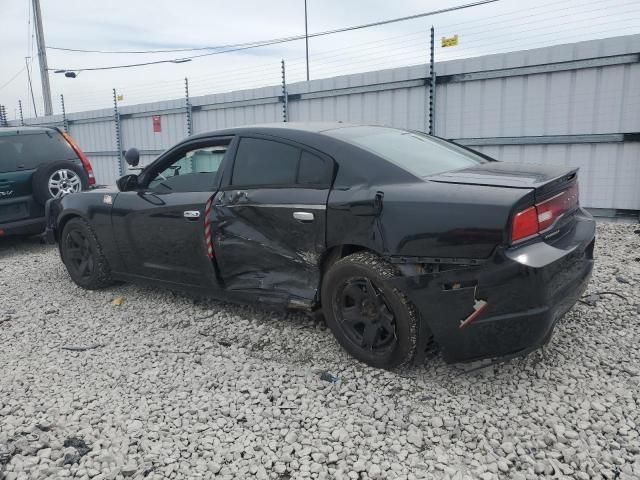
(414,152)
(29,150)
(265,162)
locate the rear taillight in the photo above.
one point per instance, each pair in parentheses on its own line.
(83,158)
(541,216)
(525,224)
(552,209)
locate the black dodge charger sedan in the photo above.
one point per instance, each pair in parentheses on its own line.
(403,239)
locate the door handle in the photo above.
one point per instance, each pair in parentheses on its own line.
(303,216)
(191,214)
(237,196)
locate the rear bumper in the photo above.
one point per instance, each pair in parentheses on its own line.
(526,290)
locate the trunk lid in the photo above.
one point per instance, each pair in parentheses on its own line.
(545,180)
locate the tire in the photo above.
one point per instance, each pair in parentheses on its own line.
(69,177)
(373,322)
(82,254)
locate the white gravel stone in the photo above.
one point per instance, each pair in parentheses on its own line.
(183,388)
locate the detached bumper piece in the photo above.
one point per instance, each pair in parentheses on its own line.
(506,306)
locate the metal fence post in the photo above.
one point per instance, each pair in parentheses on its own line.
(116,119)
(188,107)
(3,116)
(285,95)
(65,122)
(20,110)
(432,85)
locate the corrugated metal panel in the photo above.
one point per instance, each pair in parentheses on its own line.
(95,136)
(138,131)
(577,89)
(609,172)
(105,169)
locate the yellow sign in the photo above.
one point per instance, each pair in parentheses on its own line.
(450,41)
(120,98)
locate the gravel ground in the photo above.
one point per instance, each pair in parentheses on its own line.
(171,387)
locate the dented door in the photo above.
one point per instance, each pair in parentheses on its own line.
(271,239)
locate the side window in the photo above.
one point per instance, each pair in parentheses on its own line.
(9,155)
(195,171)
(265,162)
(313,170)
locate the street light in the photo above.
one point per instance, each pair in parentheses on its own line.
(75,73)
(68,73)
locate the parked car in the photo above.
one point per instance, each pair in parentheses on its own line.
(403,239)
(36,164)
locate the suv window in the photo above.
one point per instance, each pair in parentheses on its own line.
(195,171)
(268,162)
(30,150)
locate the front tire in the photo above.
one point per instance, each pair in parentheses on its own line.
(82,255)
(375,323)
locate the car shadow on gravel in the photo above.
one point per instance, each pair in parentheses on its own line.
(265,335)
(18,245)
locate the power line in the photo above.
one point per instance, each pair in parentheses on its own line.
(281,40)
(260,43)
(13,78)
(33,98)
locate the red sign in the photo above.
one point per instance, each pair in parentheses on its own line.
(157,126)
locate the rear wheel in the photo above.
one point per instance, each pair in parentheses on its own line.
(372,321)
(82,255)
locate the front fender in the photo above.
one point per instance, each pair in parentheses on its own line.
(95,207)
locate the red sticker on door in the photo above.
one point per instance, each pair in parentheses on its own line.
(157,126)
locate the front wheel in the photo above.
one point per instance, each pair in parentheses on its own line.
(82,255)
(375,323)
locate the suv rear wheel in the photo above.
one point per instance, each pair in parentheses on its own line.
(57,179)
(372,321)
(82,255)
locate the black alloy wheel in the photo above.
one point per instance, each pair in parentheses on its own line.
(371,320)
(364,315)
(82,255)
(79,254)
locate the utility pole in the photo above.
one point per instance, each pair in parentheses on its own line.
(306,36)
(42,58)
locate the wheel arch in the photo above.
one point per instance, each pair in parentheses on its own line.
(331,255)
(336,252)
(65,217)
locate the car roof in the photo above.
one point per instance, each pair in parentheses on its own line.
(24,129)
(356,165)
(280,129)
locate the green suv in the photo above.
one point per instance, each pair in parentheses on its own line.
(37,164)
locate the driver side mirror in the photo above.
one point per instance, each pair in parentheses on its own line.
(127,183)
(132,156)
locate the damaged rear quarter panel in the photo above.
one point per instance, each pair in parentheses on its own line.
(432,219)
(523,301)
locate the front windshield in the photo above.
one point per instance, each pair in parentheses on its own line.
(417,153)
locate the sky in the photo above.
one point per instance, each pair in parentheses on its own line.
(116,25)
